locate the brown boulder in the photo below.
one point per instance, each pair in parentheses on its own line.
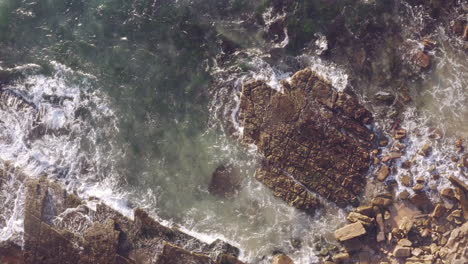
(312,138)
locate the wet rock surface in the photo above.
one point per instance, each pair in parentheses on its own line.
(313,139)
(59,227)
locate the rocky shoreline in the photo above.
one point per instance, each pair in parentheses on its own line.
(317,145)
(60,227)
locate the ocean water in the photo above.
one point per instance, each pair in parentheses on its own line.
(135,102)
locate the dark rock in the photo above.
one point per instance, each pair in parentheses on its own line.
(225,181)
(422,59)
(421,200)
(10,253)
(312,139)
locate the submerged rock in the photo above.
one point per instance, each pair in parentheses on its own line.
(226,181)
(312,138)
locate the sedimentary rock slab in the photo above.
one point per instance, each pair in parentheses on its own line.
(59,228)
(350,231)
(312,137)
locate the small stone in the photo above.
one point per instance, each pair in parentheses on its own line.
(350,231)
(425,150)
(422,59)
(405,225)
(448,193)
(387,215)
(400,134)
(392,156)
(404,195)
(282,259)
(458,27)
(341,257)
(406,164)
(405,242)
(418,187)
(365,210)
(420,179)
(406,180)
(385,97)
(416,252)
(383,142)
(439,211)
(402,252)
(381,201)
(383,173)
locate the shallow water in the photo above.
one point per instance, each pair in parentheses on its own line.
(130,103)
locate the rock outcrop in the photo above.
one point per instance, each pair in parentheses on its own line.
(225,181)
(61,228)
(312,137)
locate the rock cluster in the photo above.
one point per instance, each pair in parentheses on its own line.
(379,229)
(59,227)
(312,138)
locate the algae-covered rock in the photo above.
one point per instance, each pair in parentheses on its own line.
(313,139)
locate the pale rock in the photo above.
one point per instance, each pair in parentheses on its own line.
(405,242)
(350,231)
(341,257)
(357,217)
(282,259)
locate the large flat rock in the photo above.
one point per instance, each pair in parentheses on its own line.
(59,227)
(313,139)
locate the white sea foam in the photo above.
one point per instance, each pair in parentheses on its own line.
(47,136)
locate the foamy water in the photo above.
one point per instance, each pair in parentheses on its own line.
(68,130)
